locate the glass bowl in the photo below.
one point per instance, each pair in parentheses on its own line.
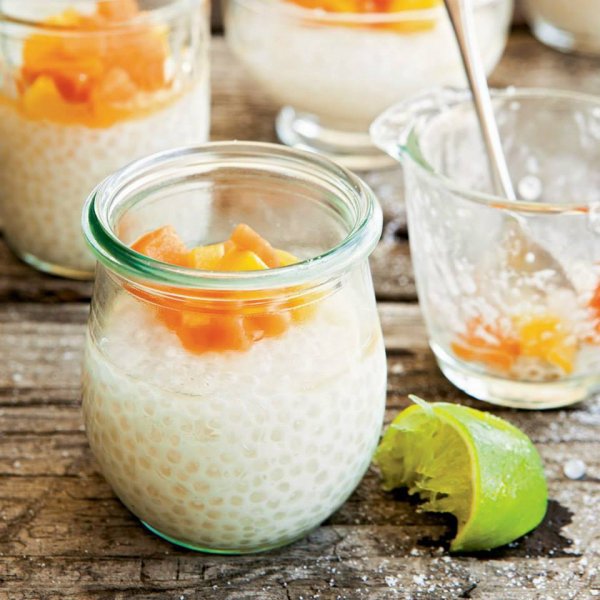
(566,26)
(505,324)
(234,449)
(85,88)
(333,73)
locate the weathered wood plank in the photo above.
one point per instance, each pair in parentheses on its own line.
(75,533)
(39,387)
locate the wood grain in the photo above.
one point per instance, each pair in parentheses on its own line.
(63,534)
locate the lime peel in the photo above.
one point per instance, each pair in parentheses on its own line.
(476,466)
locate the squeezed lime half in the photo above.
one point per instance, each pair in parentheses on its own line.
(469,463)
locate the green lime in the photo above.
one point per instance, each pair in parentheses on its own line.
(476,466)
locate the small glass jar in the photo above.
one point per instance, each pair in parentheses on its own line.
(510,290)
(566,26)
(335,72)
(85,88)
(234,451)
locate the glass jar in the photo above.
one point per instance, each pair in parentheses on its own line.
(510,290)
(234,451)
(85,88)
(566,26)
(333,73)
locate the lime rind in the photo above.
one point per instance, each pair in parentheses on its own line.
(468,463)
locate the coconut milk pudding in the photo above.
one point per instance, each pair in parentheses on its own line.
(91,94)
(331,61)
(234,430)
(566,25)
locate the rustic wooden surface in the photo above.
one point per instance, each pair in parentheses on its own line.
(63,534)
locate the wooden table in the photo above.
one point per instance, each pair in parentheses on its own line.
(63,534)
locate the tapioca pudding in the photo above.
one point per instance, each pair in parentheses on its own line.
(90,93)
(233,391)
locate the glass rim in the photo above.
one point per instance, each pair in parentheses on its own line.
(161,14)
(294,11)
(404,114)
(120,258)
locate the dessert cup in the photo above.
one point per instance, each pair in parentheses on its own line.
(234,450)
(334,72)
(504,326)
(82,94)
(566,26)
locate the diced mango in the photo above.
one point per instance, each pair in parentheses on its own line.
(221,320)
(548,338)
(269,324)
(545,337)
(226,332)
(409,25)
(68,18)
(245,238)
(119,10)
(96,64)
(207,258)
(42,100)
(242,260)
(487,344)
(285,258)
(163,244)
(497,358)
(114,87)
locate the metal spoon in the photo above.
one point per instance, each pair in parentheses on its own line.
(524,255)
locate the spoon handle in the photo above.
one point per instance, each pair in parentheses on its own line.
(460,13)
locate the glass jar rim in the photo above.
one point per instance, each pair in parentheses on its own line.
(159,15)
(294,11)
(394,132)
(120,258)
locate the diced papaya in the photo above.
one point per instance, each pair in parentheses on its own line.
(114,87)
(368,6)
(220,320)
(39,48)
(105,69)
(545,337)
(208,258)
(219,333)
(117,10)
(73,78)
(171,317)
(488,344)
(594,306)
(270,324)
(493,357)
(378,6)
(163,244)
(245,238)
(548,338)
(285,258)
(69,18)
(43,100)
(241,260)
(142,52)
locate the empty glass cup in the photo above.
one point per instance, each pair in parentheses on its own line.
(510,291)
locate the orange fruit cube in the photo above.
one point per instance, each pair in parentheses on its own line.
(245,238)
(242,260)
(117,10)
(163,244)
(547,337)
